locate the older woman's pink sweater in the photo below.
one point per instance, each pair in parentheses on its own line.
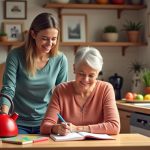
(100,112)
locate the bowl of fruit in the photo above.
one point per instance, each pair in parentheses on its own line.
(132,97)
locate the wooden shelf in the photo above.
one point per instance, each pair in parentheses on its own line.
(124,45)
(119,8)
(10,44)
(94,6)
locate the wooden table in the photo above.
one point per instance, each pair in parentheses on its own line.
(122,142)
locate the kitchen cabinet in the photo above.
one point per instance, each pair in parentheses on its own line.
(125,112)
(118,8)
(125,121)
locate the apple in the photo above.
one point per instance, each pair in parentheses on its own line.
(147,97)
(134,95)
(129,96)
(139,97)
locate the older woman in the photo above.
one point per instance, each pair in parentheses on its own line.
(86,104)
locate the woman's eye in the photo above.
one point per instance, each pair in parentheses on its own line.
(44,38)
(91,76)
(81,74)
(54,39)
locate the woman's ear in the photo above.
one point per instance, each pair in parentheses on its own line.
(33,34)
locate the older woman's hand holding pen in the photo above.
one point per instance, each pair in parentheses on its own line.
(63,128)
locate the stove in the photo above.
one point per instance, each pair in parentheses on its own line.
(140,123)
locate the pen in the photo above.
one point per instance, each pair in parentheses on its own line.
(62,119)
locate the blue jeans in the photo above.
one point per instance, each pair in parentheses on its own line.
(28,130)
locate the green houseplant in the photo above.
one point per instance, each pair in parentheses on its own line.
(145,76)
(132,26)
(133,30)
(3,33)
(136,68)
(110,33)
(110,29)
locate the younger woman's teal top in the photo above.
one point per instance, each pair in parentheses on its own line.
(31,94)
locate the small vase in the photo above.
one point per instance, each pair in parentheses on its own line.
(59,1)
(133,36)
(147,90)
(83,1)
(3,38)
(110,37)
(119,2)
(102,1)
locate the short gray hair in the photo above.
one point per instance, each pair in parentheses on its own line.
(89,55)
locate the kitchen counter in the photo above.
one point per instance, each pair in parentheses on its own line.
(127,111)
(122,105)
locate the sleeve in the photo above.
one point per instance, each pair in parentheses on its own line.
(9,78)
(111,122)
(63,73)
(50,117)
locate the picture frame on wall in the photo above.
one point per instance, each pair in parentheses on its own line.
(74,27)
(16,9)
(14,30)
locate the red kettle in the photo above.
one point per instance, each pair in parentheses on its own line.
(8,126)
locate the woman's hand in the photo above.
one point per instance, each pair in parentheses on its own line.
(64,129)
(72,127)
(61,129)
(4,109)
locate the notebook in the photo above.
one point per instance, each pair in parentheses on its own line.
(80,136)
(25,139)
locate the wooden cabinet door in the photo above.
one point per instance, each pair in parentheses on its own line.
(125,121)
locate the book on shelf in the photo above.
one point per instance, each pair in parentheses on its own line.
(25,139)
(80,136)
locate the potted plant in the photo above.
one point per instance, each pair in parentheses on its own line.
(120,2)
(136,67)
(110,33)
(3,36)
(145,76)
(102,1)
(133,30)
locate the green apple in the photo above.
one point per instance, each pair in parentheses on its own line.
(139,97)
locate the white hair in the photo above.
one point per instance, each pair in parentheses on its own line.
(89,55)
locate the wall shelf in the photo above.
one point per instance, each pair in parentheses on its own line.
(11,44)
(124,45)
(119,8)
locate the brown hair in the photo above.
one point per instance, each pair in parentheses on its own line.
(41,22)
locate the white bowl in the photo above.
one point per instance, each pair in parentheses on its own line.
(110,37)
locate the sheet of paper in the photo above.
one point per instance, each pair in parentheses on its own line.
(68,137)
